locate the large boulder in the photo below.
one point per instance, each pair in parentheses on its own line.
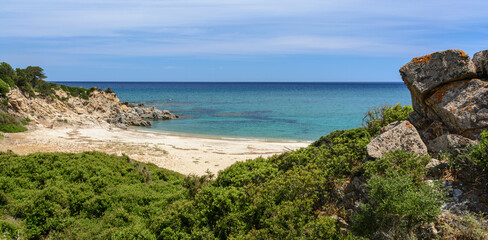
(450,143)
(397,135)
(461,105)
(424,74)
(480,60)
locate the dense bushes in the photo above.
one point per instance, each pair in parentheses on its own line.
(10,124)
(294,195)
(399,198)
(479,152)
(82,196)
(378,117)
(4,88)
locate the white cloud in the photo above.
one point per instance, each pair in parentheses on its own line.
(186,27)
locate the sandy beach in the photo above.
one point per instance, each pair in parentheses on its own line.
(185,154)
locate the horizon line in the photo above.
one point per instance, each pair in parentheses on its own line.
(95,81)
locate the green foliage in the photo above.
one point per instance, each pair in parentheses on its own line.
(31,81)
(108,90)
(378,117)
(4,88)
(10,124)
(83,196)
(398,203)
(240,174)
(338,154)
(479,152)
(25,121)
(77,91)
(400,162)
(276,198)
(7,70)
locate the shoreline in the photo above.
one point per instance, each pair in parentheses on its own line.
(205,136)
(183,153)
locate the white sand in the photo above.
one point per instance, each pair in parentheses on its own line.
(185,154)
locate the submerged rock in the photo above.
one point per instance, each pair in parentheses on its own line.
(397,135)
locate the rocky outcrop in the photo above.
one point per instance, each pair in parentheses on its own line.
(480,60)
(136,116)
(449,94)
(100,108)
(397,135)
(450,143)
(423,74)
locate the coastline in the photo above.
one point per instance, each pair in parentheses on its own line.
(183,153)
(217,137)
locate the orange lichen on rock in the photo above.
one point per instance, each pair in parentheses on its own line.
(423,59)
(440,94)
(462,53)
(469,109)
(453,110)
(408,125)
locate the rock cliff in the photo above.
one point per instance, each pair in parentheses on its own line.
(101,108)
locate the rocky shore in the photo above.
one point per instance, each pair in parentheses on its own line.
(101,108)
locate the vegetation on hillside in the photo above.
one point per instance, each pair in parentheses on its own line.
(302,194)
(83,196)
(31,81)
(378,117)
(295,195)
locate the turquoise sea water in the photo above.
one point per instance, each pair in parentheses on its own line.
(290,111)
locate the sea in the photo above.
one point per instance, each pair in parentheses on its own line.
(270,111)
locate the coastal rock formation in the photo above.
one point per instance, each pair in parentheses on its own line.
(450,143)
(423,74)
(480,59)
(449,94)
(100,108)
(461,105)
(397,135)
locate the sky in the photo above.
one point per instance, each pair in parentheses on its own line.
(234,40)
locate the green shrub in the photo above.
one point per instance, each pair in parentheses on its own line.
(108,90)
(241,174)
(378,117)
(10,229)
(479,152)
(397,204)
(338,154)
(398,161)
(84,196)
(12,128)
(10,124)
(25,121)
(7,80)
(4,88)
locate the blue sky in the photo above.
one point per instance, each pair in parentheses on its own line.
(234,40)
